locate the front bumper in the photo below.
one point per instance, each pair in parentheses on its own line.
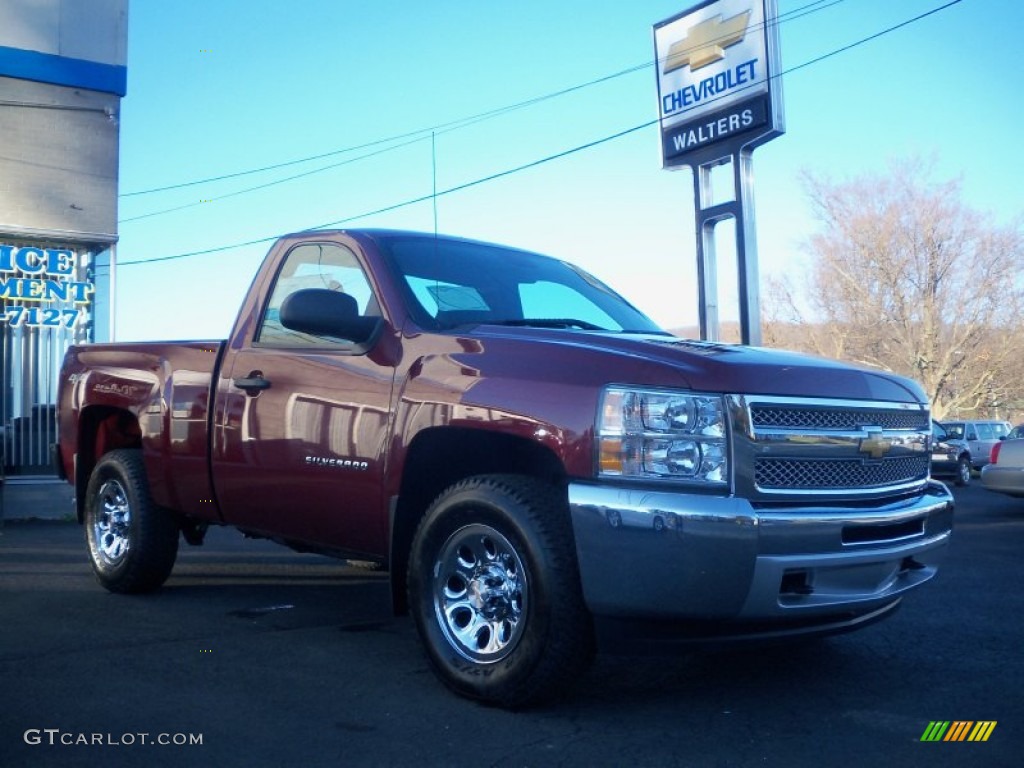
(945,466)
(656,555)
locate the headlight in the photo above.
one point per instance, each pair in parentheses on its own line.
(649,433)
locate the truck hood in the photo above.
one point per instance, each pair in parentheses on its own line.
(651,359)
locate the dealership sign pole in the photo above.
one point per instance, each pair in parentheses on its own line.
(719,97)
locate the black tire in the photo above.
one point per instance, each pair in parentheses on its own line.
(963,471)
(495,593)
(132,542)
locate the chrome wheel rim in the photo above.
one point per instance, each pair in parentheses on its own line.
(480,593)
(111,526)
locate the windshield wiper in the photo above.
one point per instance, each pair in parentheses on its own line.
(549,322)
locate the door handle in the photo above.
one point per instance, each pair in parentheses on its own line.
(252,383)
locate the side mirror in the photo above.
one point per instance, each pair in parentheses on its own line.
(322,312)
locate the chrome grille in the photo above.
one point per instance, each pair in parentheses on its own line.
(789,446)
(775,474)
(818,418)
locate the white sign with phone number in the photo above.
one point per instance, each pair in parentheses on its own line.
(37,287)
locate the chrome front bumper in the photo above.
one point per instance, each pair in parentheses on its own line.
(659,555)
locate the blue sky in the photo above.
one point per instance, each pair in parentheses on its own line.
(218,87)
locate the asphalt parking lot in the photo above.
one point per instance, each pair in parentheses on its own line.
(254,655)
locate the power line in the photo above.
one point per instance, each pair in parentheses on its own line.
(420,135)
(415,135)
(869,38)
(413,201)
(272,183)
(812,7)
(534,163)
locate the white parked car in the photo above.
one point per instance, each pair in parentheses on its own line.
(1005,471)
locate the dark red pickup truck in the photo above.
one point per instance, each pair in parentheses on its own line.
(538,466)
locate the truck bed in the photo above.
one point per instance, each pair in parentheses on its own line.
(167,387)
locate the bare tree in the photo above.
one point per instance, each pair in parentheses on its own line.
(907,278)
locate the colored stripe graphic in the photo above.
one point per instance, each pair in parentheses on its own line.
(959,730)
(982,730)
(935,731)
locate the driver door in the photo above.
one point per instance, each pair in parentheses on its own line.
(302,420)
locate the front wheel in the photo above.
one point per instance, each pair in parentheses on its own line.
(132,542)
(963,471)
(494,591)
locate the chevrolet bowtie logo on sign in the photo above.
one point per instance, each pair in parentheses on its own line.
(715,65)
(706,42)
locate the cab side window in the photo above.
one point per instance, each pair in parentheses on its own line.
(985,432)
(314,265)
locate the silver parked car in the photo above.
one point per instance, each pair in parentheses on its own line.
(979,436)
(1005,471)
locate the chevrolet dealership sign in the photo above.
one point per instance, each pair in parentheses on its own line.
(718,80)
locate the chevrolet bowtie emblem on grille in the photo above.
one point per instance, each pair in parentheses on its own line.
(874,445)
(706,42)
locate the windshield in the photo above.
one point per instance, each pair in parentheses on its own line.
(457,282)
(954,429)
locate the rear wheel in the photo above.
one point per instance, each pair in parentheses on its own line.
(494,591)
(132,542)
